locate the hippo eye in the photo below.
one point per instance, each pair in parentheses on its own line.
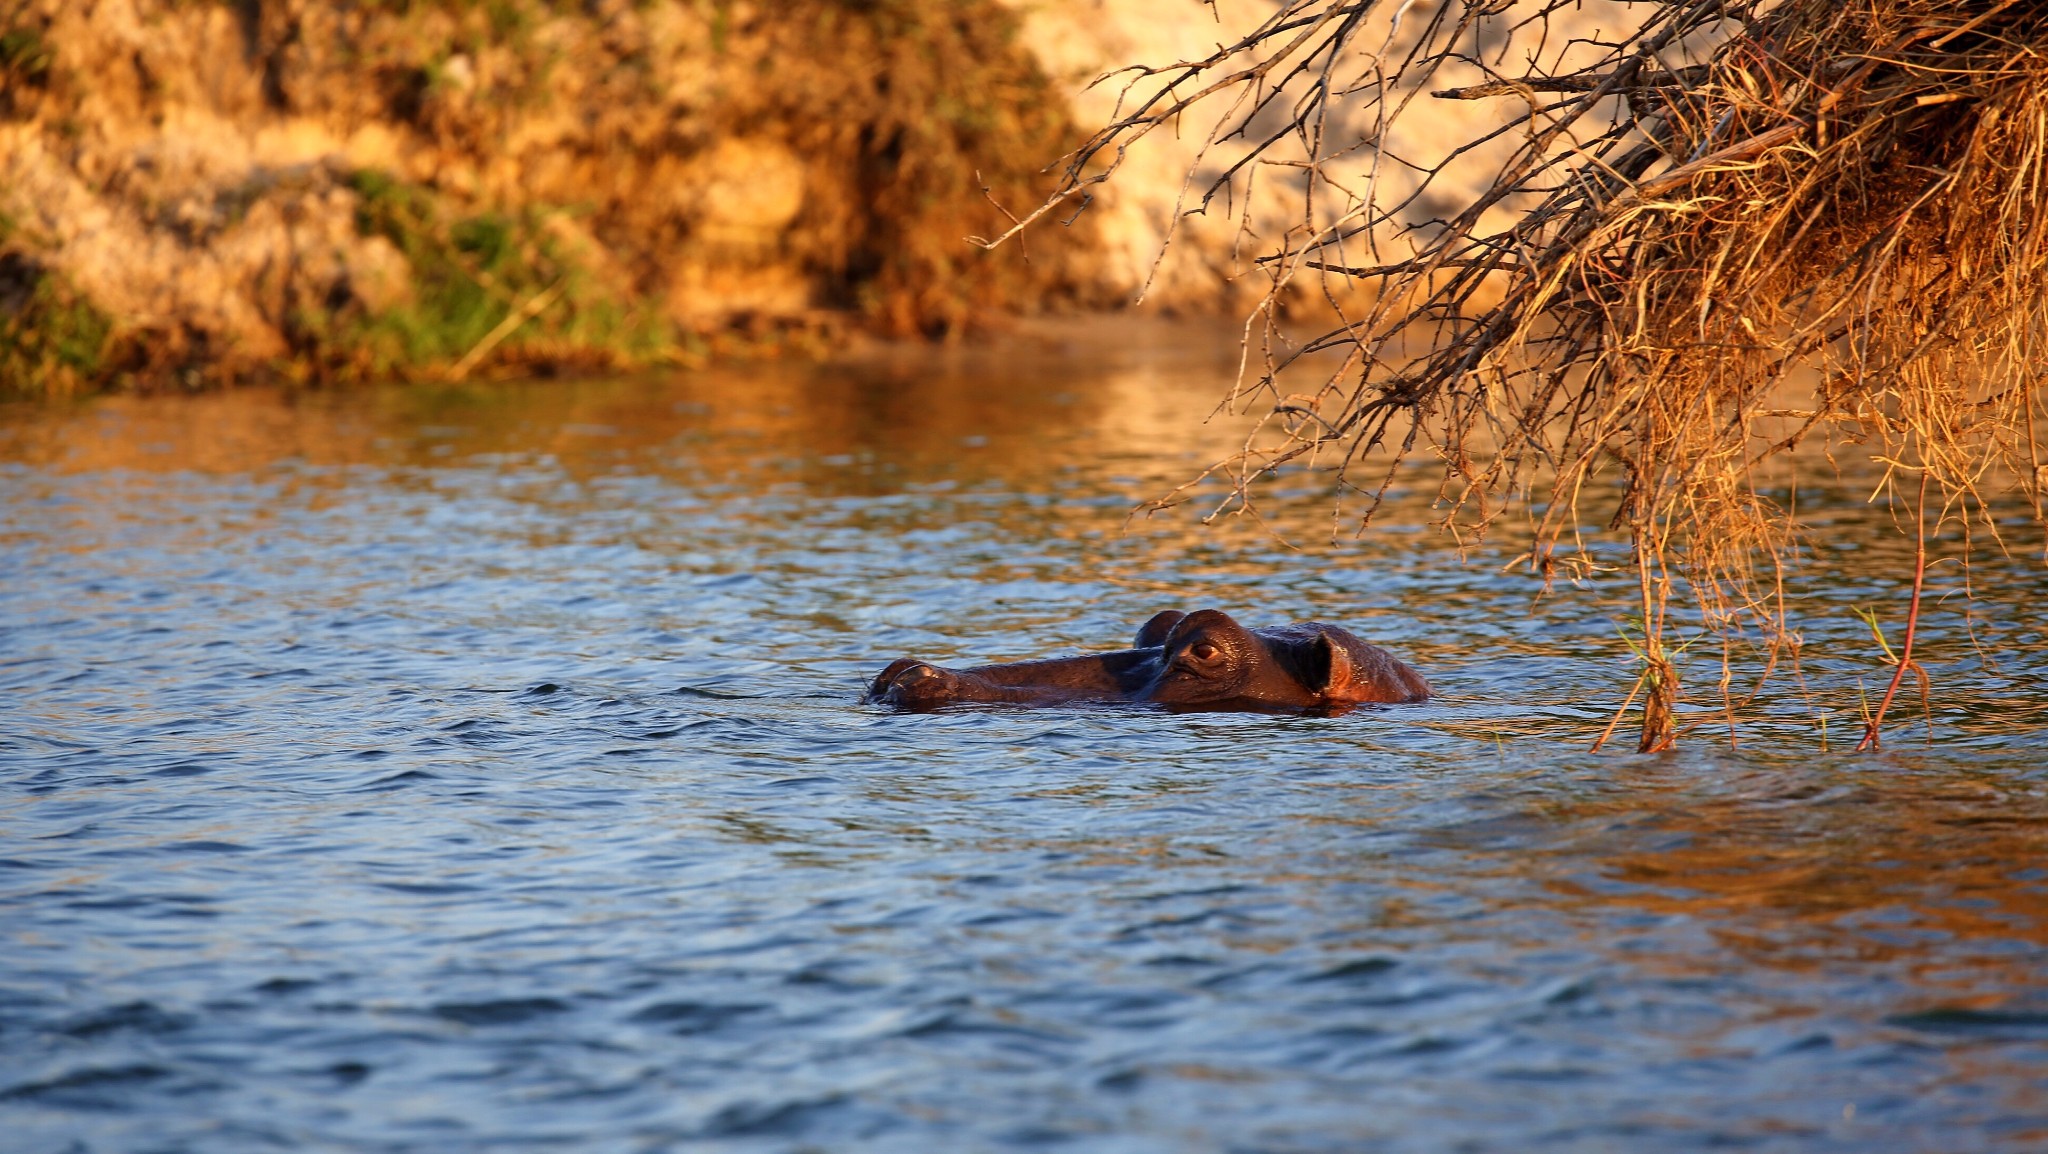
(1203,652)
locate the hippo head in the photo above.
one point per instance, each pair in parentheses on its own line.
(1209,661)
(1182,661)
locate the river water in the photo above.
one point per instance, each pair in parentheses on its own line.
(482,767)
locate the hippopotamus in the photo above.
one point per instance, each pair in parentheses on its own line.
(1202,660)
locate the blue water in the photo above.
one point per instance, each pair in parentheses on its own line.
(483,768)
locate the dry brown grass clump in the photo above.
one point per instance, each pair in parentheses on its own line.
(1691,219)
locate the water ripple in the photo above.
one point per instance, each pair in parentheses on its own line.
(363,797)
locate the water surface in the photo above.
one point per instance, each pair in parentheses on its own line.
(457,768)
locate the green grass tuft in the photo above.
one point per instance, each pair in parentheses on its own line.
(52,340)
(470,274)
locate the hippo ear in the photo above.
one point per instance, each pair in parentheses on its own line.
(1154,633)
(1329,667)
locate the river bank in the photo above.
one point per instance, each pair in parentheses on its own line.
(202,193)
(199,193)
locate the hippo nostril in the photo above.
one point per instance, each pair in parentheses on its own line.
(913,684)
(906,675)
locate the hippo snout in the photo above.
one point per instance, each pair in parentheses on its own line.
(912,684)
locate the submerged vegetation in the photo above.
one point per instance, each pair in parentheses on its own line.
(1716,234)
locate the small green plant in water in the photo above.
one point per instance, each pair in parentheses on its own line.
(1660,673)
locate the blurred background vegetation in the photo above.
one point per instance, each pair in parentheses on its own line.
(196,191)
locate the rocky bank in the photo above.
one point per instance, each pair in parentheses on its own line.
(194,191)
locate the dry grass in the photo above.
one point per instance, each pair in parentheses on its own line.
(1719,207)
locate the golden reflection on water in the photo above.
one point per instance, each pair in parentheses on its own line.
(1014,411)
(1874,866)
(1831,867)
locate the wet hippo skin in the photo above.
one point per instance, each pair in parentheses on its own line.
(1184,661)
